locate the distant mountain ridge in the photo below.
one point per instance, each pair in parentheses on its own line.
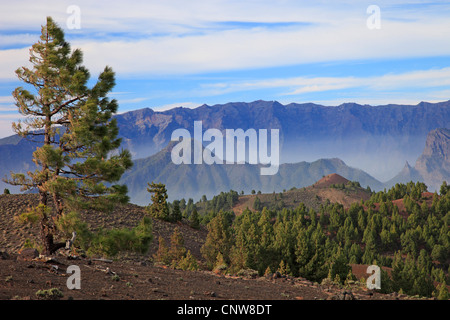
(376,139)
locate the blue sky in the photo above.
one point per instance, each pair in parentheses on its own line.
(186,53)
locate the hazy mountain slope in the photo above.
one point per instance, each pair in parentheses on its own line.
(406,175)
(15,156)
(434,163)
(377,139)
(195,180)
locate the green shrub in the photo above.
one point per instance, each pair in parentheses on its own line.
(115,277)
(49,294)
(111,242)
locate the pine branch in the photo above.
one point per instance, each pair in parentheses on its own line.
(65,104)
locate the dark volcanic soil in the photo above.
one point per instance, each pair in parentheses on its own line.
(133,277)
(132,280)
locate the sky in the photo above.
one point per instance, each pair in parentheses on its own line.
(175,53)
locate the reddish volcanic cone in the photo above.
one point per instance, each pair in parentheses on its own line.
(330,179)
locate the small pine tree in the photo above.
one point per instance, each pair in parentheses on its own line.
(220,264)
(188,262)
(257,204)
(444,188)
(443,293)
(176,212)
(350,277)
(162,255)
(282,268)
(177,250)
(194,219)
(159,208)
(268,271)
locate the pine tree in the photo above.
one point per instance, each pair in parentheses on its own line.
(282,268)
(162,255)
(74,131)
(339,267)
(443,293)
(176,212)
(265,251)
(218,240)
(188,262)
(177,250)
(444,188)
(159,208)
(194,219)
(257,204)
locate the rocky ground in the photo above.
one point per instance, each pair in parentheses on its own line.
(24,275)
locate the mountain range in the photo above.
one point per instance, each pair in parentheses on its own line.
(195,180)
(369,144)
(376,139)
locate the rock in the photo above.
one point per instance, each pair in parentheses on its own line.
(276,275)
(434,163)
(28,254)
(4,255)
(349,296)
(210,294)
(345,295)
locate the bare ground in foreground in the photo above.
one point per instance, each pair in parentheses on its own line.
(134,277)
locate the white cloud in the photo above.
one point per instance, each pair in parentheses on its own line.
(142,39)
(6,121)
(262,48)
(302,85)
(10,61)
(172,37)
(133,100)
(6,99)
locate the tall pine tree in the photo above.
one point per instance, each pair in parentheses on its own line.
(75,134)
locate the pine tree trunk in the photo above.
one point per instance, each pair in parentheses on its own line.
(47,239)
(47,236)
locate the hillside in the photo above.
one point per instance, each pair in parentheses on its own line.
(135,277)
(13,234)
(331,188)
(194,181)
